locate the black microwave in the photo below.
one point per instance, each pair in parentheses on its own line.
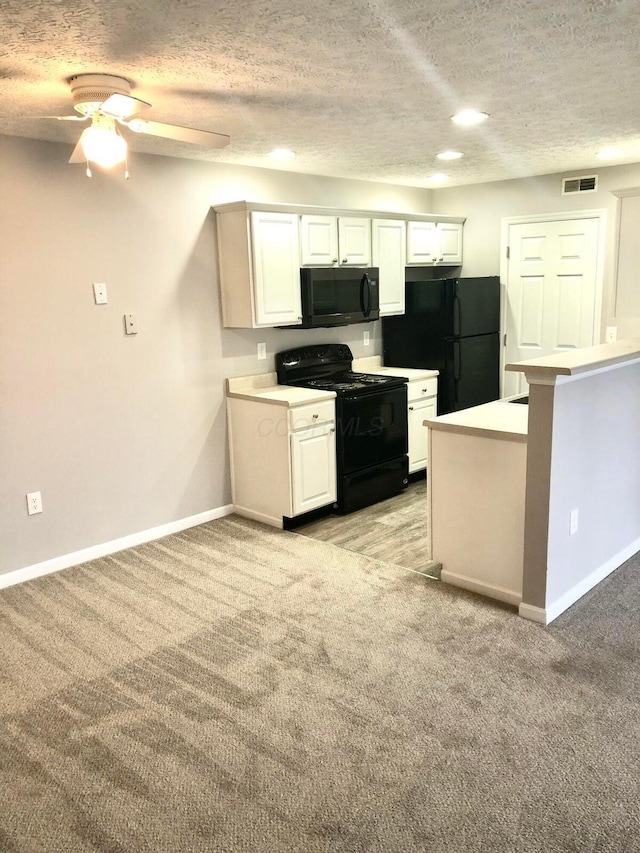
(339,296)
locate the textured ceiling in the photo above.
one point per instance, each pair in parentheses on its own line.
(357,88)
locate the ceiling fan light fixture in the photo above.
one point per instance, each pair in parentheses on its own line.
(467,118)
(102,144)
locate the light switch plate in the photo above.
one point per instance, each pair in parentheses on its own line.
(611,334)
(262,351)
(366,338)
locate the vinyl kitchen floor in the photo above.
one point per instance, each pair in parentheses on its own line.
(394,530)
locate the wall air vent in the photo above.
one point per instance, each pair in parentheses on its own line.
(586,184)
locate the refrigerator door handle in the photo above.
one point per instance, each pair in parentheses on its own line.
(456,368)
(457,317)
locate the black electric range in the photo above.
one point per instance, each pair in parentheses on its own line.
(371,421)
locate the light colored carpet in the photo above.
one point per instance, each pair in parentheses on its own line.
(238,688)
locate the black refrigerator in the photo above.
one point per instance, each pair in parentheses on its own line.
(451,325)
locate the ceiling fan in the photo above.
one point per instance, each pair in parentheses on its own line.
(106,101)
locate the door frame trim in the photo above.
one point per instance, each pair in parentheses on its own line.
(506,222)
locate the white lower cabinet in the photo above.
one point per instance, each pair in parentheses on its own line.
(313,476)
(422,395)
(283,459)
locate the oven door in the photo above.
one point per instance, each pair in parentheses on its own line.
(371,428)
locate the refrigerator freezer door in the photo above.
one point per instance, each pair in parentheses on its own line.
(472,306)
(472,373)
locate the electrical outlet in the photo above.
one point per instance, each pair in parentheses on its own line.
(611,334)
(573,522)
(130,324)
(100,292)
(34,503)
(366,338)
(262,351)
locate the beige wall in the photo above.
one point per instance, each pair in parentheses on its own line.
(122,434)
(485,205)
(583,444)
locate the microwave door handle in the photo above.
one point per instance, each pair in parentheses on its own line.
(365,285)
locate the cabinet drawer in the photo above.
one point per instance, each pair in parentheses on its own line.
(422,388)
(302,417)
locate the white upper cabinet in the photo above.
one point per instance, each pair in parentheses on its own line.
(434,243)
(335,240)
(261,247)
(388,244)
(449,242)
(259,267)
(276,253)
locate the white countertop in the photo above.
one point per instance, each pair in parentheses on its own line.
(264,388)
(573,362)
(500,419)
(373,364)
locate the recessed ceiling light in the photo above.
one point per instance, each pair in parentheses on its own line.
(438,178)
(449,155)
(469,117)
(281,154)
(609,153)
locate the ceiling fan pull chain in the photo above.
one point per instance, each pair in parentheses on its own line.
(88,170)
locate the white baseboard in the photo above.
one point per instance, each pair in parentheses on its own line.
(554,609)
(474,585)
(95,551)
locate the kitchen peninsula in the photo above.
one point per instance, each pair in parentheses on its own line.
(475,497)
(562,475)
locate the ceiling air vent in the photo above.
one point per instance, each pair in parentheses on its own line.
(586,184)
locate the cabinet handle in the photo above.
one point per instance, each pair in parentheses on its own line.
(410,408)
(334,261)
(344,260)
(315,417)
(333,429)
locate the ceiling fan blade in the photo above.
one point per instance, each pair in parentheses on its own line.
(77,155)
(61,118)
(123,106)
(206,138)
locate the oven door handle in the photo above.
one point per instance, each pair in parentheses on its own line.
(365,287)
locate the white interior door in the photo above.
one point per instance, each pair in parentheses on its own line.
(551,290)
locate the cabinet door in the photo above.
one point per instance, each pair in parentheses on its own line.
(319,239)
(354,241)
(449,243)
(276,267)
(388,239)
(313,468)
(419,410)
(421,242)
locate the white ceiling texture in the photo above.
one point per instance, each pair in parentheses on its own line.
(357,88)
